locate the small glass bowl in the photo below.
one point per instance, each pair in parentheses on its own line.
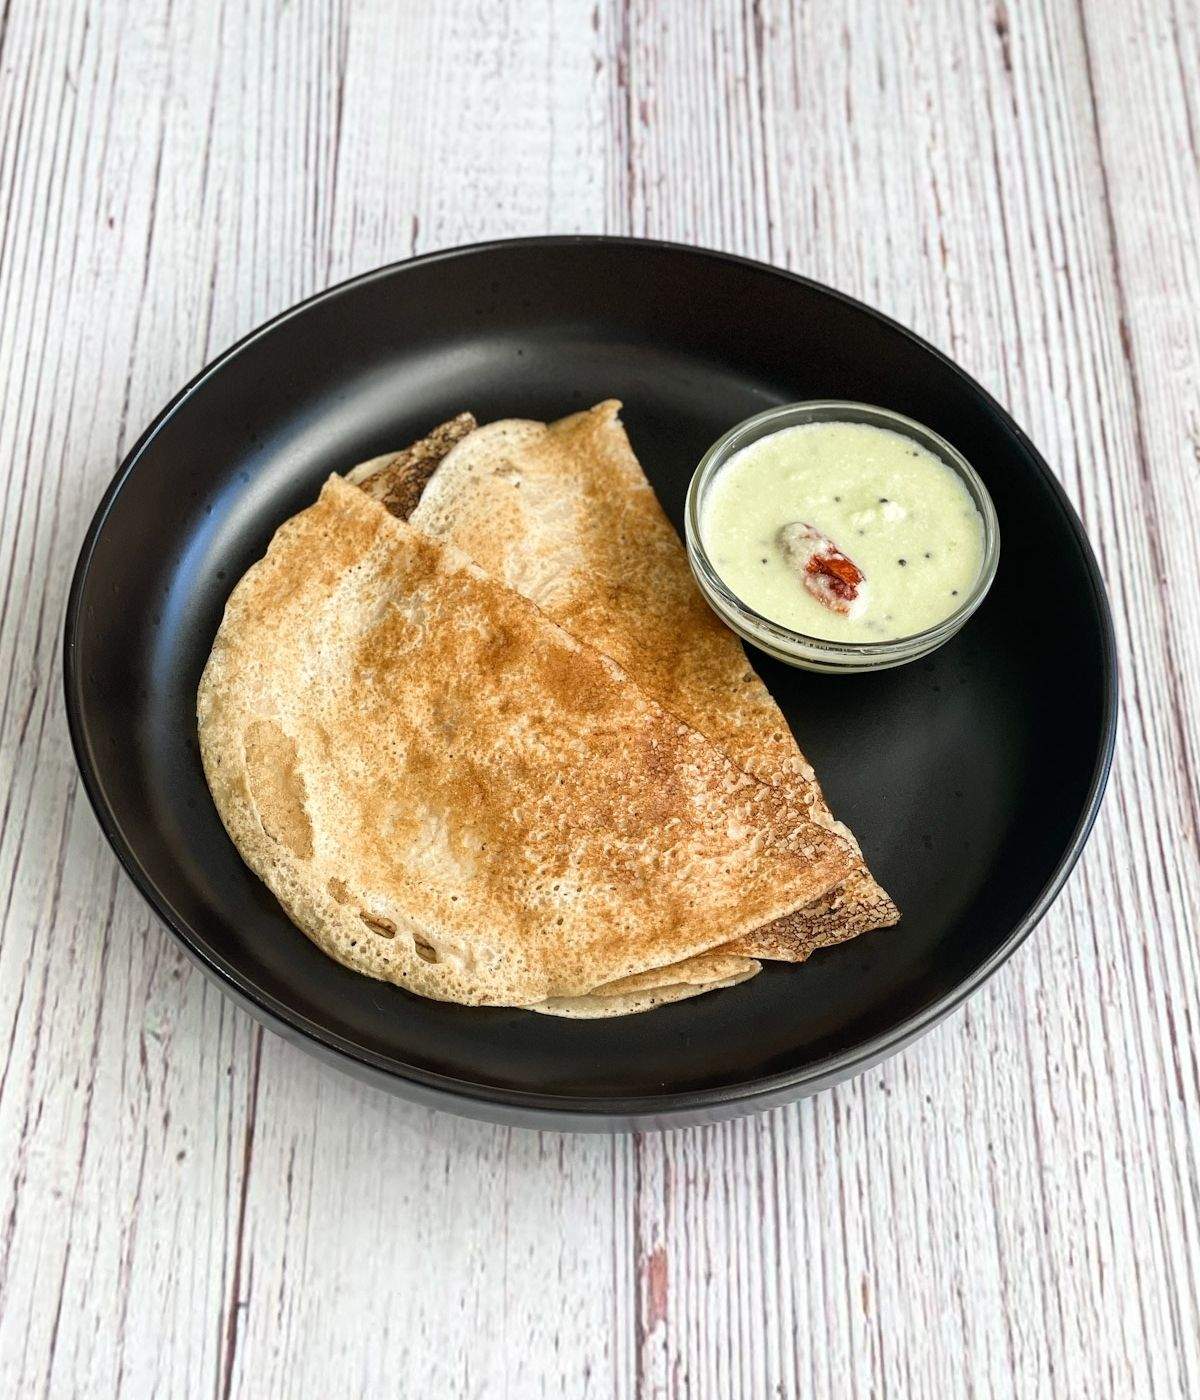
(823,653)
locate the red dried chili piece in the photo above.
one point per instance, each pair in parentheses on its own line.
(833,578)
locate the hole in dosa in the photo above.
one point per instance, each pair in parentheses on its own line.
(425,950)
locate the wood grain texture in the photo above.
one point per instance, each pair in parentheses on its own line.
(189,1206)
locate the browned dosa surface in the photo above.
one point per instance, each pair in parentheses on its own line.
(564,514)
(446,790)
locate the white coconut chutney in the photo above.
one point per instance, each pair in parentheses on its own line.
(844,531)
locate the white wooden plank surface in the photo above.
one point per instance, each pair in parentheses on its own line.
(1012,1207)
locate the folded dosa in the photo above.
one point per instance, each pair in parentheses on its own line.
(446,790)
(564,514)
(645,990)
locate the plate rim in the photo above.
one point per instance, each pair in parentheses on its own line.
(456,1093)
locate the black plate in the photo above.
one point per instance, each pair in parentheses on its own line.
(971,778)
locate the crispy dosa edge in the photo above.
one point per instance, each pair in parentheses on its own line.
(712,970)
